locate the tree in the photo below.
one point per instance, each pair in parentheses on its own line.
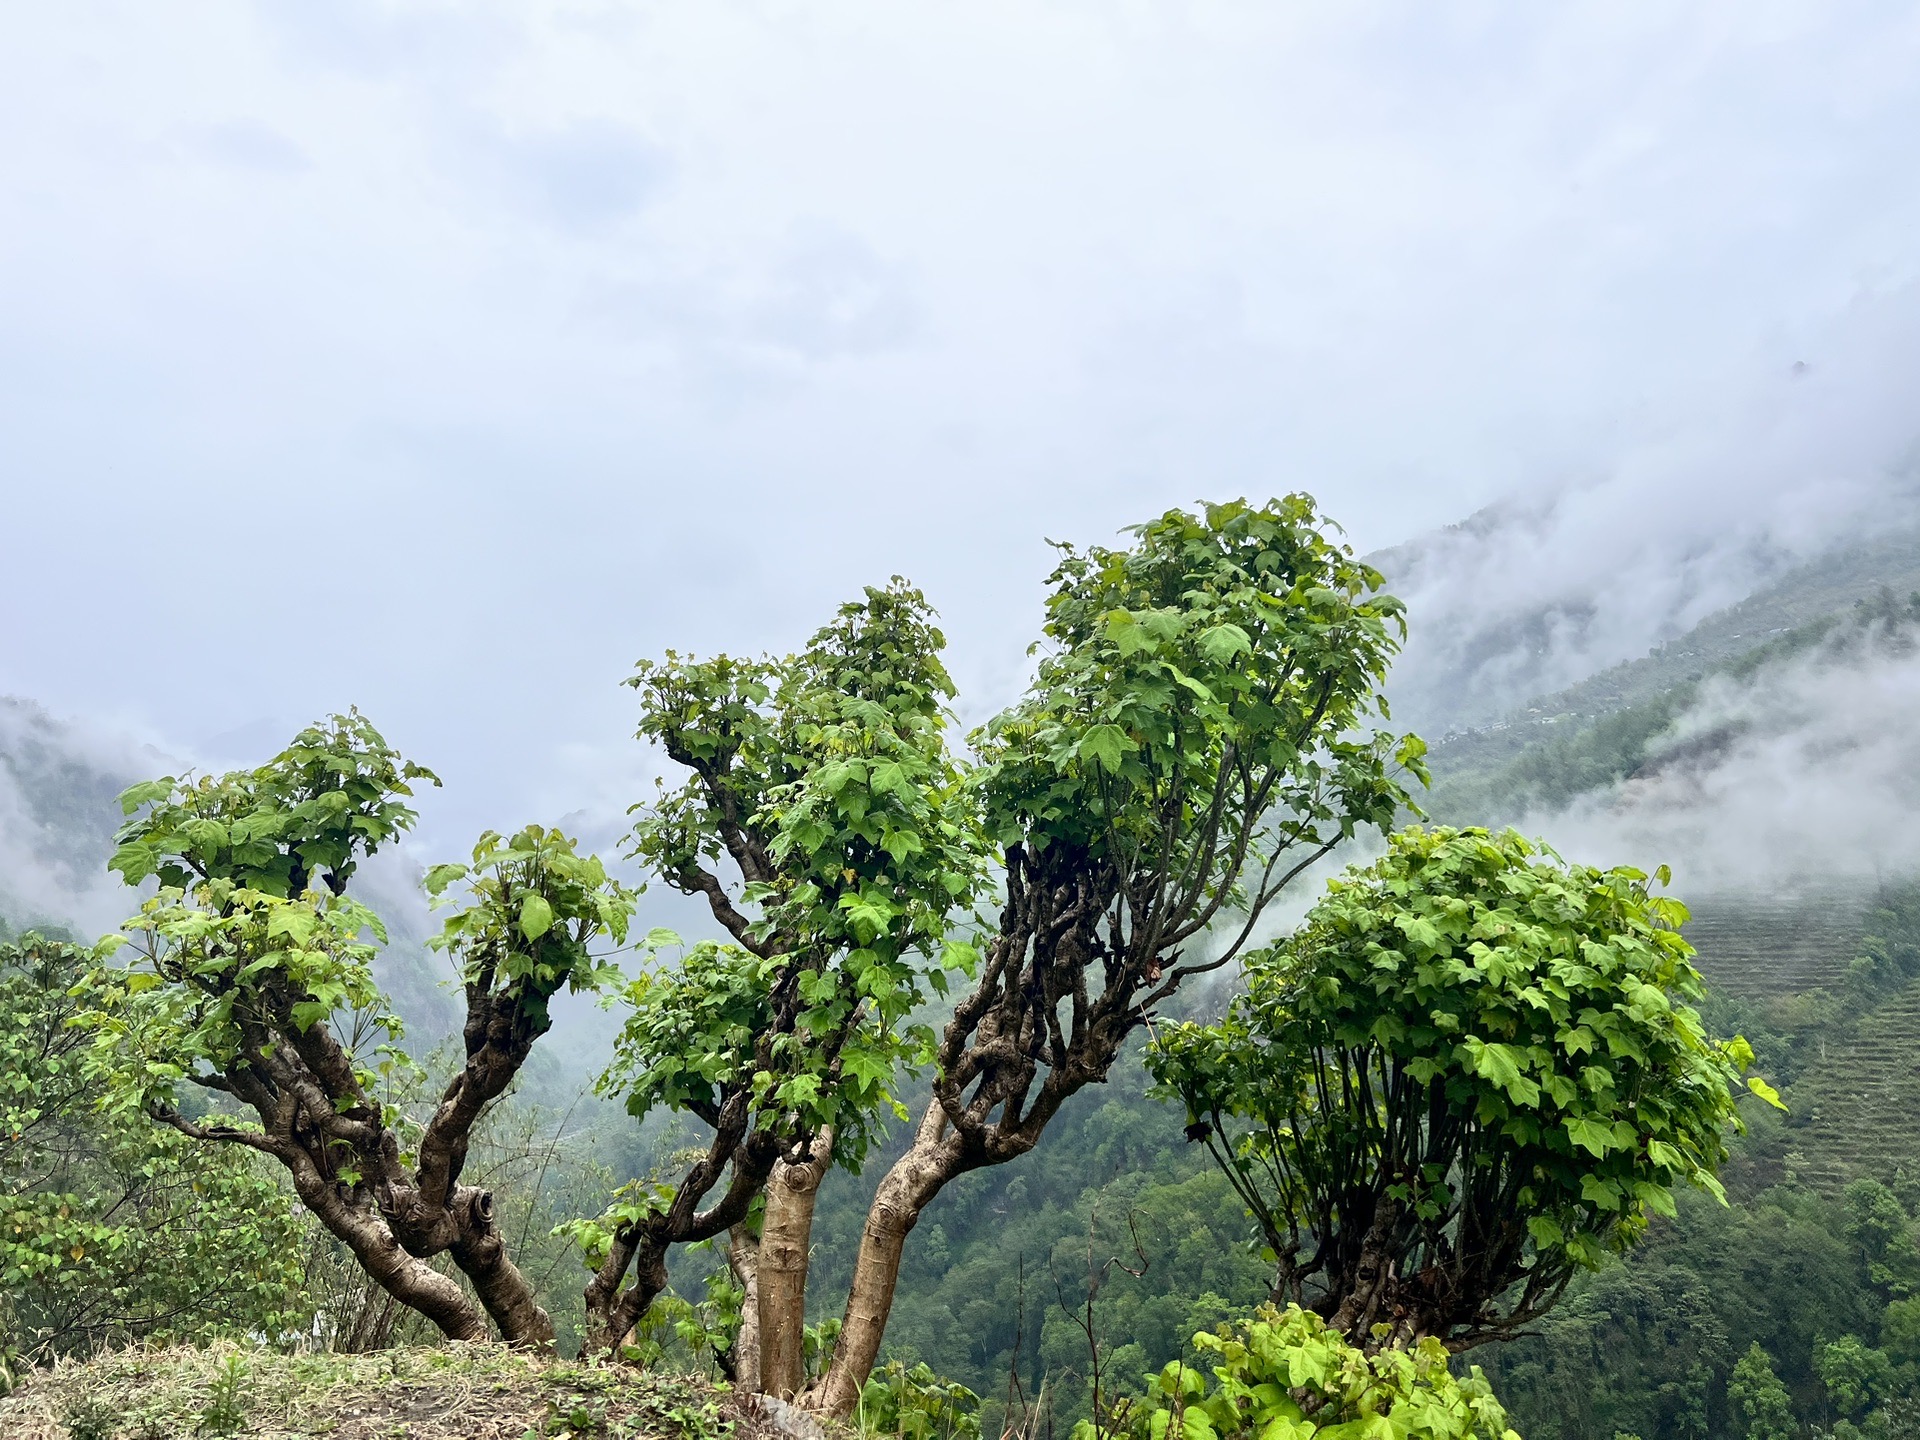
(112,1231)
(825,782)
(1900,1337)
(252,980)
(1196,736)
(1760,1402)
(1883,1236)
(1853,1374)
(1470,1074)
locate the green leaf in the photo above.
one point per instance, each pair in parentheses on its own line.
(1221,643)
(1595,1135)
(1498,1063)
(536,916)
(1105,745)
(1766,1092)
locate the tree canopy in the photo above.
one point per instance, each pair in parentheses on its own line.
(1471,1072)
(1202,727)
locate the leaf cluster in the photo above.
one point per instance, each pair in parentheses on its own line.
(337,793)
(1286,1375)
(1224,657)
(533,907)
(824,775)
(215,968)
(913,1403)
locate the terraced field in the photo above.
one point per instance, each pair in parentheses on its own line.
(1762,949)
(1856,1113)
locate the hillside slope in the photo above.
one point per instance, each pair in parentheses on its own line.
(1644,738)
(458,1392)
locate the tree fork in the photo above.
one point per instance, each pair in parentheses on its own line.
(406,1277)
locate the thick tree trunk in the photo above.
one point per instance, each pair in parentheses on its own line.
(482,1257)
(1373,1278)
(411,1281)
(785,1239)
(906,1189)
(743,1257)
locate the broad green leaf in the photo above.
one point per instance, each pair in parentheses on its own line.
(1105,745)
(1221,643)
(536,916)
(1766,1092)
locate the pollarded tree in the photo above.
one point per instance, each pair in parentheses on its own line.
(1471,1073)
(252,979)
(1200,731)
(826,826)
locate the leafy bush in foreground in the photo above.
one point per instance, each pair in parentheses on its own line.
(1287,1375)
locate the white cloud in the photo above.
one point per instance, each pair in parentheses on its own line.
(1745,478)
(581,329)
(1805,774)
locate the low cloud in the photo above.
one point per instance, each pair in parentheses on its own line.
(58,786)
(1805,775)
(1797,457)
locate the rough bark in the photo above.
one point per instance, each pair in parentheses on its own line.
(785,1239)
(482,1256)
(360,1227)
(410,1280)
(743,1258)
(1372,1278)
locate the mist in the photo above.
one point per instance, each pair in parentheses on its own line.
(1804,776)
(58,786)
(1799,453)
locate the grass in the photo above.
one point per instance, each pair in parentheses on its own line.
(454,1392)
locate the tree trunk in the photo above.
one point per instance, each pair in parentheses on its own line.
(482,1257)
(1373,1278)
(410,1280)
(650,1282)
(906,1189)
(743,1257)
(785,1239)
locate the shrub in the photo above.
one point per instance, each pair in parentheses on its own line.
(1287,1375)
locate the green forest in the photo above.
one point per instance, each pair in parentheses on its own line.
(1188,1047)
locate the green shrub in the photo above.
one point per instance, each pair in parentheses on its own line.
(916,1404)
(1285,1375)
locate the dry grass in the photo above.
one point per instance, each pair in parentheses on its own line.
(455,1392)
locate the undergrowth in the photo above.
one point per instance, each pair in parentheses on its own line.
(453,1392)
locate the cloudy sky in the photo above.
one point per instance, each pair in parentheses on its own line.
(446,358)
